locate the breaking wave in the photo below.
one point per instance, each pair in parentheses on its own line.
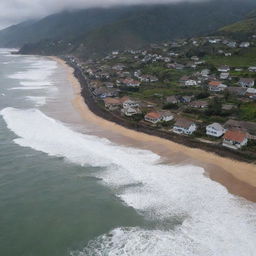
(196,216)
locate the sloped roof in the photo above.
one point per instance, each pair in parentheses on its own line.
(235,135)
(184,123)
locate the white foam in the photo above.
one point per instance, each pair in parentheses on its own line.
(38,100)
(212,221)
(37,73)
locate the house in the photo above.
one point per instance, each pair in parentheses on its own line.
(166,116)
(244,45)
(224,76)
(199,104)
(153,117)
(119,67)
(112,103)
(183,79)
(252,69)
(205,72)
(131,82)
(194,58)
(131,111)
(232,44)
(130,104)
(235,139)
(246,82)
(172,100)
(251,93)
(186,99)
(190,82)
(224,69)
(238,91)
(184,126)
(216,86)
(104,92)
(245,126)
(215,130)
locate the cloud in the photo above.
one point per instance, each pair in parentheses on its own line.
(14,11)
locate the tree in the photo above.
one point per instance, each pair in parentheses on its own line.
(214,107)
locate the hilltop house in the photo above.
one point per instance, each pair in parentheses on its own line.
(199,104)
(153,117)
(215,130)
(252,69)
(224,69)
(131,82)
(235,139)
(216,86)
(224,76)
(172,100)
(246,82)
(190,82)
(244,45)
(184,126)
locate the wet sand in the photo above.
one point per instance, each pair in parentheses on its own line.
(238,177)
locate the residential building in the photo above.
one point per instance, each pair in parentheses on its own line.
(215,130)
(112,103)
(246,82)
(235,139)
(216,86)
(184,126)
(153,117)
(224,69)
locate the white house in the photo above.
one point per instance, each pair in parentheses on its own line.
(191,82)
(167,116)
(130,104)
(246,82)
(224,76)
(215,130)
(244,45)
(252,69)
(235,139)
(224,69)
(184,126)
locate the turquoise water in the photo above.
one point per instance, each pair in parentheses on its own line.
(64,192)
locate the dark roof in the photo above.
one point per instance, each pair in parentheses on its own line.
(184,123)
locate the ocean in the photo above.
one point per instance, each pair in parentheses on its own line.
(66,192)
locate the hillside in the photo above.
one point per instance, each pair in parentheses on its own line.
(242,28)
(97,31)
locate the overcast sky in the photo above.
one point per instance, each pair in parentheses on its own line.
(15,11)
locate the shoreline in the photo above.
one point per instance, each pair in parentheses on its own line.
(237,176)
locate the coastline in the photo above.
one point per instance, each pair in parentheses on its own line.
(238,177)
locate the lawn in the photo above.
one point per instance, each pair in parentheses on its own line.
(246,58)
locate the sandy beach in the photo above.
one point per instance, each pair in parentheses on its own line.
(238,177)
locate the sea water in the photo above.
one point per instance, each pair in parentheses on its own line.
(65,192)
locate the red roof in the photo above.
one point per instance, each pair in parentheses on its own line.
(153,115)
(215,83)
(237,136)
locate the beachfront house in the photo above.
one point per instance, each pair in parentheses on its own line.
(215,130)
(184,126)
(153,117)
(235,139)
(112,103)
(166,116)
